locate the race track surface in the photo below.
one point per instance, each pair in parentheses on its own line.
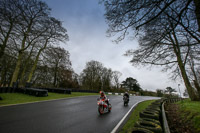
(73,115)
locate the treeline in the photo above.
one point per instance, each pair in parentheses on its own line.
(29,51)
(97,77)
(168,92)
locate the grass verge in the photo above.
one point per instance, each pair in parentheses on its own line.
(190,112)
(128,127)
(17,98)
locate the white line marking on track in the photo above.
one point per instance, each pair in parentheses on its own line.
(121,121)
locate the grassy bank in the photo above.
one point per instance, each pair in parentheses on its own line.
(16,98)
(128,127)
(190,112)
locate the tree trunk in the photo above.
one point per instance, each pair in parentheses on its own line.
(188,85)
(3,77)
(21,82)
(197,87)
(177,51)
(34,66)
(197,12)
(17,68)
(21,51)
(22,77)
(55,76)
(36,61)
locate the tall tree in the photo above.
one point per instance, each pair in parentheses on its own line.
(91,75)
(58,60)
(96,77)
(169,48)
(106,79)
(54,33)
(116,76)
(167,31)
(33,14)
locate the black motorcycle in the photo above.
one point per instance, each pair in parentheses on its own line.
(126,100)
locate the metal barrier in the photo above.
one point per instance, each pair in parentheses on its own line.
(173,100)
(164,120)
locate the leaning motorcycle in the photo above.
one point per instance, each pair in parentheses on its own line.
(103,107)
(126,100)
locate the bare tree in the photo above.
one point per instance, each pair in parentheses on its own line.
(54,33)
(158,46)
(106,79)
(97,77)
(33,14)
(123,15)
(116,76)
(58,60)
(167,32)
(91,75)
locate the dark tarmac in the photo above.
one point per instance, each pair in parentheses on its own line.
(73,115)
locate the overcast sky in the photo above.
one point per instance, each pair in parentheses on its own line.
(86,26)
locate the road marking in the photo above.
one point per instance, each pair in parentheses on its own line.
(121,121)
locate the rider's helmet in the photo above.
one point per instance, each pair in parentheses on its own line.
(102,93)
(126,92)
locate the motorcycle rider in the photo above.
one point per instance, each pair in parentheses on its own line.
(126,94)
(103,97)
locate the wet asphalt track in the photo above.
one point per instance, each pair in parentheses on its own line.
(74,115)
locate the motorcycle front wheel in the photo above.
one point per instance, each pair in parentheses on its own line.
(109,108)
(101,110)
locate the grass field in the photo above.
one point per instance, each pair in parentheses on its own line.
(190,112)
(17,98)
(135,116)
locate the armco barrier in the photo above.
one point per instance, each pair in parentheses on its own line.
(173,100)
(164,120)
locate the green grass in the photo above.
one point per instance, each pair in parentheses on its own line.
(16,98)
(190,111)
(128,127)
